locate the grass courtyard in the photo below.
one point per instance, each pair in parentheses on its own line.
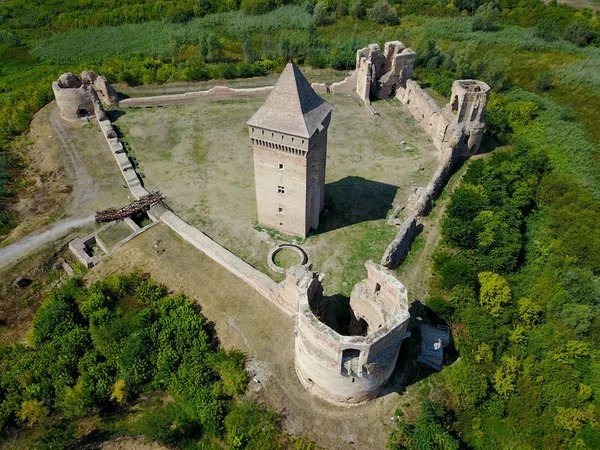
(199,155)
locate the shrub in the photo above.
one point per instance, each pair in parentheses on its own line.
(494,294)
(441,308)
(467,385)
(320,14)
(579,32)
(453,270)
(544,81)
(384,13)
(33,411)
(546,29)
(255,7)
(485,17)
(341,10)
(8,38)
(358,10)
(431,430)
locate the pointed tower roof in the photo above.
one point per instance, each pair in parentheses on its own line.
(293,107)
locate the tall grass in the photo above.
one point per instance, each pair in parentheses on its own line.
(161,39)
(565,141)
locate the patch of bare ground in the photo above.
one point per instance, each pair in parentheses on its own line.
(131,443)
(200,156)
(245,320)
(70,173)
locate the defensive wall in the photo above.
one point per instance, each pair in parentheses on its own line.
(349,367)
(344,363)
(456,129)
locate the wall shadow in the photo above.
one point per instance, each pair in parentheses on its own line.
(353,200)
(114,114)
(408,370)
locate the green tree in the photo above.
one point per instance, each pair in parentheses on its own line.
(494,293)
(358,10)
(120,392)
(466,203)
(432,430)
(467,385)
(529,312)
(546,29)
(384,13)
(485,17)
(255,7)
(320,14)
(33,411)
(579,32)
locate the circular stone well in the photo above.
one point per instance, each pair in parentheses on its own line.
(285,256)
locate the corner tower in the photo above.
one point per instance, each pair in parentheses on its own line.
(289,142)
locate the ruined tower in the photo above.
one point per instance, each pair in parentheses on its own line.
(289,140)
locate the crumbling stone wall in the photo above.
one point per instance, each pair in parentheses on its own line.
(350,369)
(78,98)
(456,129)
(380,75)
(459,123)
(215,93)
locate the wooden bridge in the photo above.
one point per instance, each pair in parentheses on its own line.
(129,210)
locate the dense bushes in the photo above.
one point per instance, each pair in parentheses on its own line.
(432,430)
(485,215)
(384,13)
(485,17)
(116,339)
(526,326)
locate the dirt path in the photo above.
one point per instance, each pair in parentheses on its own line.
(83,184)
(84,164)
(35,240)
(416,274)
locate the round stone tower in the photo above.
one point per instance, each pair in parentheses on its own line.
(346,362)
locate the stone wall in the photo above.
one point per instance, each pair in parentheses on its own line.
(350,370)
(456,129)
(78,98)
(216,93)
(381,74)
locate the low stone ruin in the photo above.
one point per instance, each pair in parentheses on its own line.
(78,98)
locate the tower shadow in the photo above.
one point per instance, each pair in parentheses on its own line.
(353,200)
(408,370)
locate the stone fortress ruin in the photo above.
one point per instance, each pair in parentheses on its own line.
(347,363)
(344,350)
(78,98)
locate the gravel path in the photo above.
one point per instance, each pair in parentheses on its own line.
(50,234)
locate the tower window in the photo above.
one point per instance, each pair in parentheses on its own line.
(280,210)
(280,190)
(280,166)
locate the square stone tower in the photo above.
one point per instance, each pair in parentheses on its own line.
(289,141)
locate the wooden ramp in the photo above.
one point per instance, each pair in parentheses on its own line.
(129,210)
